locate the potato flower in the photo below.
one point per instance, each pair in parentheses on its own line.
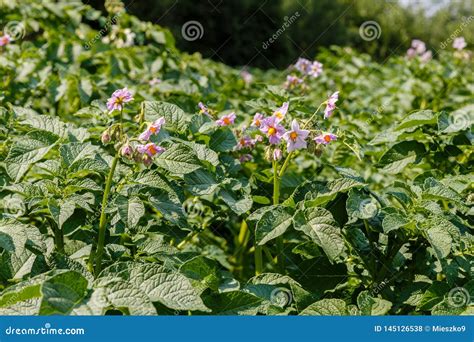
(153,128)
(257,120)
(295,138)
(331,104)
(325,138)
(280,113)
(5,39)
(272,129)
(118,99)
(226,120)
(150,149)
(459,43)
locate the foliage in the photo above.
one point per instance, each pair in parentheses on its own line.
(377,222)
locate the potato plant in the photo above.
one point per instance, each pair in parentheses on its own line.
(140,180)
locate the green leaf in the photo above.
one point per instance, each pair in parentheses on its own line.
(200,182)
(174,116)
(459,120)
(222,140)
(27,151)
(169,288)
(319,225)
(372,306)
(272,224)
(326,307)
(73,152)
(130,210)
(234,303)
(238,205)
(401,155)
(178,159)
(394,221)
(62,292)
(61,211)
(440,239)
(423,117)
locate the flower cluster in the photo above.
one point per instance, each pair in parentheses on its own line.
(418,48)
(306,68)
(295,138)
(5,39)
(145,150)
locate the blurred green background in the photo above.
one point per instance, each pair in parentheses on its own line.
(236,30)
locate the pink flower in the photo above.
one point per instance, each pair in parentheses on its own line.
(295,138)
(316,69)
(325,138)
(245,158)
(118,99)
(411,53)
(257,119)
(425,57)
(280,113)
(292,81)
(204,110)
(272,129)
(276,154)
(303,65)
(154,81)
(5,39)
(226,120)
(331,104)
(150,149)
(246,76)
(245,141)
(153,128)
(418,45)
(459,43)
(126,151)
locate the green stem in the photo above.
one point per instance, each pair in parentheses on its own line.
(258,260)
(276,201)
(103,218)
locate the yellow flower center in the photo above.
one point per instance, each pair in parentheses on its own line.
(152,149)
(293,136)
(327,138)
(279,115)
(271,131)
(257,122)
(153,129)
(226,121)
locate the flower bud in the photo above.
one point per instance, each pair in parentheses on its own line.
(277,154)
(126,151)
(146,159)
(105,137)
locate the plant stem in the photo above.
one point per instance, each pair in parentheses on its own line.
(258,260)
(103,218)
(276,201)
